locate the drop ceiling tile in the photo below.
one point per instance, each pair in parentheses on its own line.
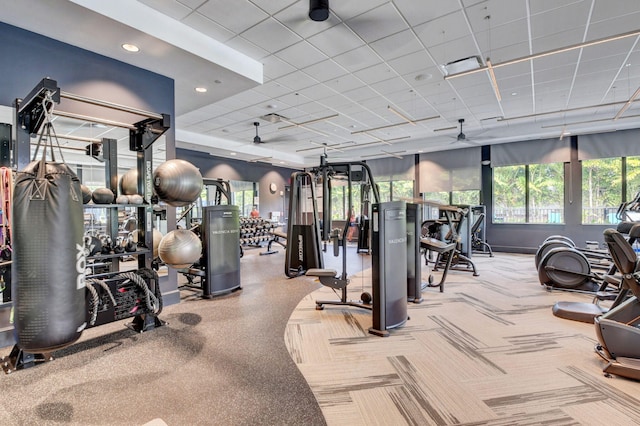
(336,101)
(613,65)
(301,54)
(359,58)
(348,9)
(377,23)
(543,6)
(413,62)
(442,30)
(495,13)
(416,13)
(271,35)
(193,4)
(391,85)
(171,8)
(511,33)
(397,45)
(604,10)
(555,61)
(272,89)
(522,69)
(246,47)
(317,92)
(571,17)
(208,27)
(273,6)
(508,53)
(297,81)
(453,50)
(360,94)
(275,67)
(325,70)
(614,26)
(376,73)
(557,40)
(241,16)
(336,40)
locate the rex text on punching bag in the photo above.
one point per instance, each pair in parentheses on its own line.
(49,259)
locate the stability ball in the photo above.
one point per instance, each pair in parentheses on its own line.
(157,237)
(180,248)
(129,182)
(177,182)
(86,194)
(103,196)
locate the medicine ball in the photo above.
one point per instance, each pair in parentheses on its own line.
(86,194)
(180,248)
(135,199)
(129,182)
(122,199)
(177,182)
(103,196)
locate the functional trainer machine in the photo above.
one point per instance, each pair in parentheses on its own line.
(303,250)
(327,172)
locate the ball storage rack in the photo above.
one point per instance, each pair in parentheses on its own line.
(112,295)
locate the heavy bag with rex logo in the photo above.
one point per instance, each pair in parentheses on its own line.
(48,269)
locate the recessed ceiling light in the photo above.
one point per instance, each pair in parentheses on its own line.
(201,89)
(232,153)
(282,162)
(514,93)
(272,106)
(130,47)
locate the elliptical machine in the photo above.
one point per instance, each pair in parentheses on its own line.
(618,330)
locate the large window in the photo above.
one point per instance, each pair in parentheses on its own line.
(509,194)
(395,190)
(601,190)
(546,193)
(528,193)
(468,197)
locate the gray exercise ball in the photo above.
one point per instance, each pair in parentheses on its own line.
(129,182)
(177,182)
(157,237)
(102,196)
(86,194)
(180,248)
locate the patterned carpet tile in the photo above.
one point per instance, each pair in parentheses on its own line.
(487,351)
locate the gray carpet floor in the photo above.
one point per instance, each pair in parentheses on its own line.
(217,362)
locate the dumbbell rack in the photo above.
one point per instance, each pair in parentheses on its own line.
(254,231)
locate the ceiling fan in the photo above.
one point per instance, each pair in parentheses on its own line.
(462,137)
(258,140)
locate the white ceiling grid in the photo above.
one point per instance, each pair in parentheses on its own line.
(374,54)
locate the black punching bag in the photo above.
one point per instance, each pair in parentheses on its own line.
(48,268)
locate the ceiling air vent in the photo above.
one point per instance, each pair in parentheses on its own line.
(461,65)
(274,118)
